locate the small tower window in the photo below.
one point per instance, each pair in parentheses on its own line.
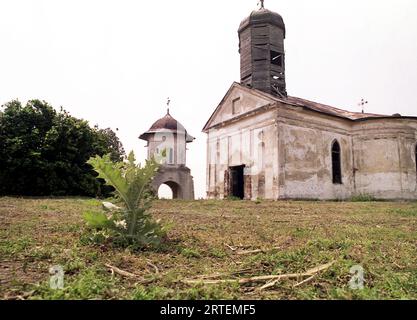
(336,163)
(276,58)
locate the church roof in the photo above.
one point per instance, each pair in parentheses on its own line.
(308,105)
(319,107)
(263,16)
(166,124)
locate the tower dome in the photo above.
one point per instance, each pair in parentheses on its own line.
(166,124)
(263,16)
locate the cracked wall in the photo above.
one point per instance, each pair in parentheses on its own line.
(286,151)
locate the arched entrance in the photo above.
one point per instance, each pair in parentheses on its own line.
(178,179)
(165,192)
(169,190)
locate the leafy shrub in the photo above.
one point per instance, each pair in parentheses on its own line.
(43,152)
(131,225)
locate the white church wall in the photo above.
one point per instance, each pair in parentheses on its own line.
(238,102)
(240,143)
(287,152)
(305,160)
(385,152)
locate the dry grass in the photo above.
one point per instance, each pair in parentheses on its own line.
(213,240)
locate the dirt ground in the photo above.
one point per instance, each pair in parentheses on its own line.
(215,250)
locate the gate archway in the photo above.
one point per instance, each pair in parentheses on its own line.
(169,190)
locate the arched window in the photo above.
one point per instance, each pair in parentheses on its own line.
(336,163)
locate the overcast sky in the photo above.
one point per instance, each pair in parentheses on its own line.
(114,63)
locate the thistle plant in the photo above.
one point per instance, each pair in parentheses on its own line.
(131,224)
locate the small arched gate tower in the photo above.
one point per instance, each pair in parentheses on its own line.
(170,135)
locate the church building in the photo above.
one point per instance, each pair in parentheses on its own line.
(263,143)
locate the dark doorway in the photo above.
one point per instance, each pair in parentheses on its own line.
(237,182)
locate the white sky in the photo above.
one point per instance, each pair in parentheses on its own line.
(114,63)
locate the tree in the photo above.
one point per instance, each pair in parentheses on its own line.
(108,141)
(44,152)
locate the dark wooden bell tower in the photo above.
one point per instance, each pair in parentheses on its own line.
(262,55)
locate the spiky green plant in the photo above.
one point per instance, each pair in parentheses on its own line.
(130,225)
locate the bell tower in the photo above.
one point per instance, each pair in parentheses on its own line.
(262,55)
(168,139)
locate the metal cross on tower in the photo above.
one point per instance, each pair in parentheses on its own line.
(168,103)
(262,3)
(362,104)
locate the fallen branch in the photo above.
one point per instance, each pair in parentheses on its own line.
(122,272)
(304,281)
(234,273)
(230,247)
(274,279)
(153,266)
(319,268)
(309,273)
(398,266)
(244,252)
(236,250)
(140,279)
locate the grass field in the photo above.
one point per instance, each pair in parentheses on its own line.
(211,241)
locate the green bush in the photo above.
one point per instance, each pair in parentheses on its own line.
(131,225)
(44,152)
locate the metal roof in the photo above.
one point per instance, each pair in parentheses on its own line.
(313,106)
(263,16)
(166,124)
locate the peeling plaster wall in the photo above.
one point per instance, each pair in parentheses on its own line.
(239,102)
(251,142)
(305,162)
(377,156)
(385,158)
(287,152)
